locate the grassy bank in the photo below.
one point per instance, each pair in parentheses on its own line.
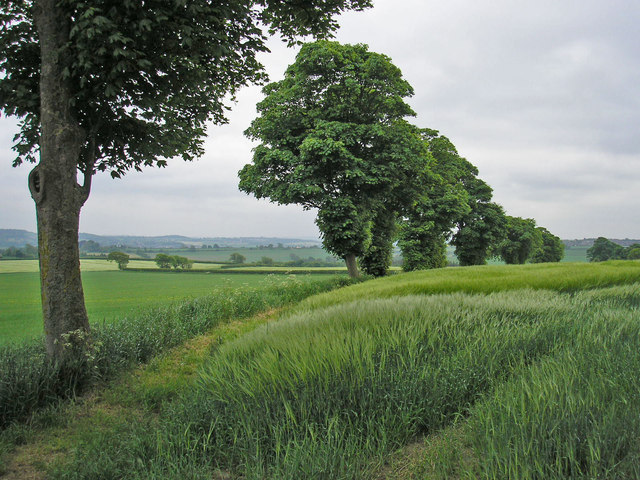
(560,277)
(544,380)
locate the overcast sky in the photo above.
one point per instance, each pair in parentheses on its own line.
(543,97)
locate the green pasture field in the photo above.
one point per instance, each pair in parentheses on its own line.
(262,269)
(101,265)
(575,254)
(108,294)
(27,266)
(151,265)
(93,265)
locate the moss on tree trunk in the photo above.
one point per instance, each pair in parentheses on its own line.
(55,190)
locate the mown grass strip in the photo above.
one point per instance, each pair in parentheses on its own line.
(445,455)
(134,398)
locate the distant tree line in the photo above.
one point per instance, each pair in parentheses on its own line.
(173,261)
(93,249)
(296,261)
(588,242)
(604,249)
(26,252)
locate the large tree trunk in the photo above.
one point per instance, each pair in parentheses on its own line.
(57,195)
(352,266)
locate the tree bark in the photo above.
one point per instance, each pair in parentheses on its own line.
(352,266)
(55,190)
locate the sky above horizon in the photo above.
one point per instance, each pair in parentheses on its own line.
(543,97)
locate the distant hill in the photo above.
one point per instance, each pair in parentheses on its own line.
(19,238)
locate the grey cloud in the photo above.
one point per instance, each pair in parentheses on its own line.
(542,96)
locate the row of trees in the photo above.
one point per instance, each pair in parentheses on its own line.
(106,85)
(296,261)
(165,261)
(28,251)
(173,261)
(604,249)
(334,136)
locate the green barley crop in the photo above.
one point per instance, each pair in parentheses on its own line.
(559,277)
(574,414)
(323,394)
(548,381)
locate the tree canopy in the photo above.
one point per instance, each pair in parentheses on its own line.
(604,249)
(114,85)
(551,248)
(442,200)
(165,261)
(482,227)
(334,137)
(521,240)
(237,258)
(455,204)
(121,258)
(145,78)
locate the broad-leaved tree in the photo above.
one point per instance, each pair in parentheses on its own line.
(333,137)
(114,85)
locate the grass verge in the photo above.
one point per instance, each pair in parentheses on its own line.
(34,449)
(29,381)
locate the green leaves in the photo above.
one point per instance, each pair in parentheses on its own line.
(604,249)
(146,78)
(550,248)
(333,137)
(521,240)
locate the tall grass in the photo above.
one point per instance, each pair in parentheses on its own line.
(574,414)
(559,277)
(28,380)
(326,394)
(546,378)
(369,374)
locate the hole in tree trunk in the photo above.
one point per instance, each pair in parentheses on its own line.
(36,184)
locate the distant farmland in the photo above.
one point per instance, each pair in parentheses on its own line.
(251,254)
